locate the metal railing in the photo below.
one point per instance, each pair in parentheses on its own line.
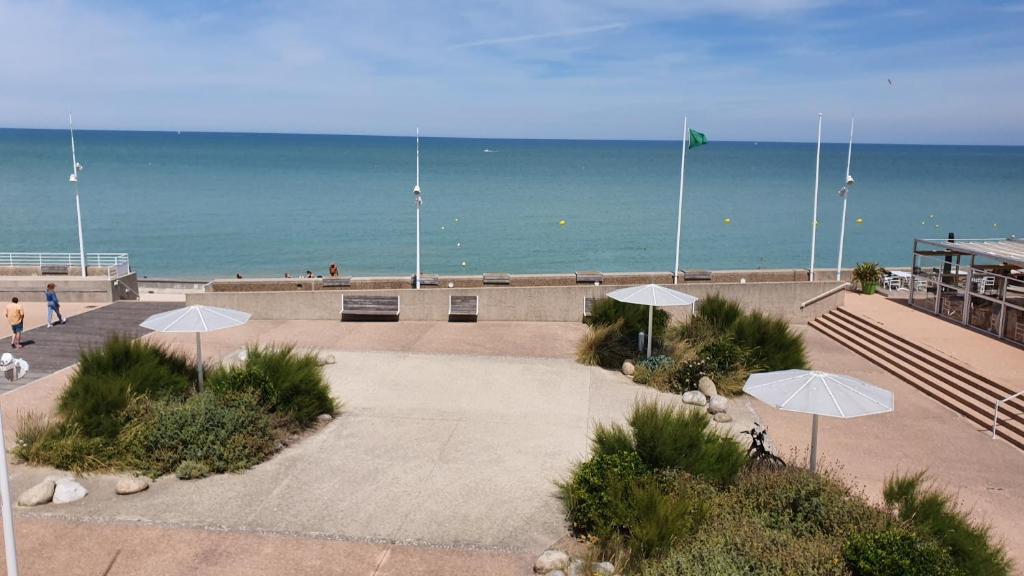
(995,412)
(115,264)
(825,294)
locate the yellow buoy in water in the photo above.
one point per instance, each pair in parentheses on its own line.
(561,222)
(456,220)
(931,215)
(458,244)
(859,220)
(463,262)
(727,221)
(995,225)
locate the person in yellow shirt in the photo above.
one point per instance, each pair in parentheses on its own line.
(16,316)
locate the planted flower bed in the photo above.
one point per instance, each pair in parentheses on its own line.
(133,405)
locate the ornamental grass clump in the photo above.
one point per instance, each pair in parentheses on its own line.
(133,405)
(645,486)
(727,344)
(109,376)
(289,384)
(932,513)
(604,345)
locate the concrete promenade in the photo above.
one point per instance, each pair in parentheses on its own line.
(444,458)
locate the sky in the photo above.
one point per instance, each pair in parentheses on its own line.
(931,72)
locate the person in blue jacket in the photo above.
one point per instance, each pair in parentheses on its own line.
(52,305)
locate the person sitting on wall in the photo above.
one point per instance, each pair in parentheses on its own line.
(333,270)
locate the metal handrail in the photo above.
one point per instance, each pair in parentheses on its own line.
(825,294)
(995,416)
(115,263)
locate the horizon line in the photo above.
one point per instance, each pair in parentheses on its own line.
(553,139)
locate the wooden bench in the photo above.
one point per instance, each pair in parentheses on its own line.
(370,305)
(589,278)
(588,306)
(696,275)
(463,307)
(61,269)
(497,278)
(338,282)
(427,280)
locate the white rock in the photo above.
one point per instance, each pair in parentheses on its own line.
(325,359)
(694,397)
(707,387)
(67,490)
(722,418)
(602,569)
(41,493)
(576,568)
(718,404)
(628,368)
(551,560)
(324,418)
(131,485)
(556,573)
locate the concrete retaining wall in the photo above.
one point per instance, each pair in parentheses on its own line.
(518,280)
(510,303)
(70,288)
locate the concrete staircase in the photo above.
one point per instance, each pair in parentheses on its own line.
(955,386)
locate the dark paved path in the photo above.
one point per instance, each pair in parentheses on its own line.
(48,350)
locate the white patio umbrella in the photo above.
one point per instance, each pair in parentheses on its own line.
(196,319)
(652,295)
(820,394)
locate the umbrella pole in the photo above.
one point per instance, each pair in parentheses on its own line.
(199,360)
(650,328)
(814,443)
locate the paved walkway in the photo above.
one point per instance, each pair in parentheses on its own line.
(49,350)
(72,548)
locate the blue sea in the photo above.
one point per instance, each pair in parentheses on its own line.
(205,205)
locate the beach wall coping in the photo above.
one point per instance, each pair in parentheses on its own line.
(515,303)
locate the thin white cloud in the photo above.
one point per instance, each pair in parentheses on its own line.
(541,36)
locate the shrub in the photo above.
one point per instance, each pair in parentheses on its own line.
(688,374)
(593,496)
(612,439)
(191,470)
(802,503)
(288,383)
(223,432)
(604,346)
(656,520)
(98,392)
(678,438)
(64,446)
(770,342)
(897,551)
(606,311)
(936,515)
(731,544)
(656,371)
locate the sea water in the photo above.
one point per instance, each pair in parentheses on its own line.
(204,205)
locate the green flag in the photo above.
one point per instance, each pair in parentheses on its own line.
(696,139)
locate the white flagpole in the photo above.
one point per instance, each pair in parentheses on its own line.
(419,202)
(845,191)
(817,177)
(679,218)
(78,204)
